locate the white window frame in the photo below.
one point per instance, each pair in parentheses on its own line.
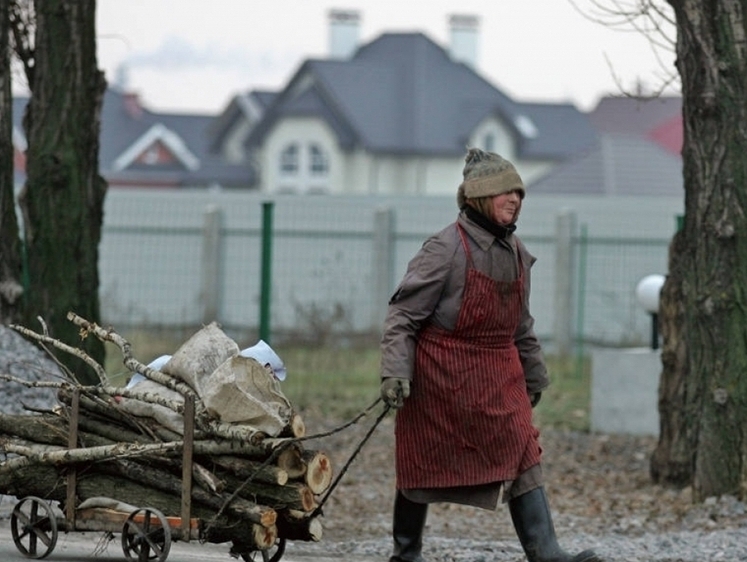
(290,158)
(303,167)
(318,160)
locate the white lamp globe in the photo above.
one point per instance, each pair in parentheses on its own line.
(647,292)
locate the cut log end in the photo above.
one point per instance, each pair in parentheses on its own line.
(291,462)
(264,537)
(298,526)
(296,426)
(318,475)
(267,518)
(257,538)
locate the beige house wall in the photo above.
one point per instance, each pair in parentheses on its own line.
(303,131)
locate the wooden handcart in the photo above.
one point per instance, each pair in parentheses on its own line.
(255,531)
(146,533)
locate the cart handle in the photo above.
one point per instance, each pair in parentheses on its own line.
(384,412)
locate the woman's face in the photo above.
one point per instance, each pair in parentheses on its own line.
(505,207)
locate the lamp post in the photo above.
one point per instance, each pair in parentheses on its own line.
(647,292)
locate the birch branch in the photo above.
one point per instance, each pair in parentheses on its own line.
(109,391)
(79,353)
(30,447)
(100,407)
(234,432)
(53,429)
(129,361)
(36,384)
(88,454)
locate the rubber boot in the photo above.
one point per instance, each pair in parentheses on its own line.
(530,513)
(407,529)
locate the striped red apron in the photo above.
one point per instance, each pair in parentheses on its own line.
(468,419)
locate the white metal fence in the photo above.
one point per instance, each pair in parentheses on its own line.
(181,258)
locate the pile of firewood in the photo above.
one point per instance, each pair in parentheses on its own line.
(238,481)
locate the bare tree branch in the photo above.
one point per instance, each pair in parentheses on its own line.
(98,369)
(652,19)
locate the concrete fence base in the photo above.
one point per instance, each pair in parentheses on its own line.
(625,391)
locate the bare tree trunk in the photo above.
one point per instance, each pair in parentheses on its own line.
(10,247)
(672,461)
(710,266)
(63,198)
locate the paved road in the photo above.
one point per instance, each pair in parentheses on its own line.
(90,546)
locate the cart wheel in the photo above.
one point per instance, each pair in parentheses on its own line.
(270,555)
(32,521)
(147,535)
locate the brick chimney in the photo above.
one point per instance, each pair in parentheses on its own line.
(464,35)
(131,102)
(344,28)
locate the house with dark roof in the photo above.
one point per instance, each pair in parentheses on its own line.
(394,116)
(637,153)
(142,148)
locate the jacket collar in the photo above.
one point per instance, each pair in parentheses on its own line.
(483,238)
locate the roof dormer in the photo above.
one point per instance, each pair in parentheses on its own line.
(158,146)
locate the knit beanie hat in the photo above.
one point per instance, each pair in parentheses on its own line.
(486,174)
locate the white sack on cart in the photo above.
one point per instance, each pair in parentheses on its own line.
(200,355)
(234,386)
(243,391)
(265,355)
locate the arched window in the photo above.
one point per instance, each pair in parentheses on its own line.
(318,161)
(289,159)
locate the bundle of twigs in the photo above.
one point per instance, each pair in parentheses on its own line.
(239,482)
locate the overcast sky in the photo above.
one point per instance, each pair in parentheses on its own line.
(194,55)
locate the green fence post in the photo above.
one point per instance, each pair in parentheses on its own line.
(266,272)
(679,222)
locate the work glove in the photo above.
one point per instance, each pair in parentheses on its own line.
(535,398)
(394,390)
